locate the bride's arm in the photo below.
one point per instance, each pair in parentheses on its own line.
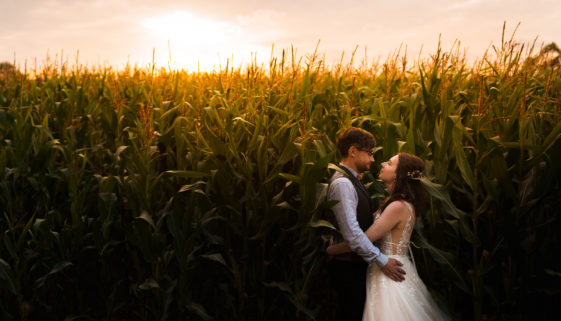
(390,217)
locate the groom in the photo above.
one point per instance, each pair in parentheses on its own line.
(353,215)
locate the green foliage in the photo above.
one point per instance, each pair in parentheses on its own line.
(174,196)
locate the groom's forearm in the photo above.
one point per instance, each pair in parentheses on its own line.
(345,213)
(362,246)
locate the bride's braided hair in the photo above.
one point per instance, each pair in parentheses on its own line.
(407,185)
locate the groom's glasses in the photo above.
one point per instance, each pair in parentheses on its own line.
(369,152)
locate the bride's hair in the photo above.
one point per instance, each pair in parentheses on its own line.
(407,185)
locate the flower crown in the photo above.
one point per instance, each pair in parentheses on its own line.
(416,174)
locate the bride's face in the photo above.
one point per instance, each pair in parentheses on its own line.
(387,173)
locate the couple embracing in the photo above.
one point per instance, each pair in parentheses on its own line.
(376,282)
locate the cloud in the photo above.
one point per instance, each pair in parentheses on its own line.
(263,26)
(179,26)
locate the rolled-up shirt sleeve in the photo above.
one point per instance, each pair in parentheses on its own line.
(342,190)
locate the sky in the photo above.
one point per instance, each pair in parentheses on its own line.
(203,35)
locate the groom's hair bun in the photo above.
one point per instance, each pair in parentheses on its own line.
(354,136)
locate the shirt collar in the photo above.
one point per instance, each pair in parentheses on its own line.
(352,170)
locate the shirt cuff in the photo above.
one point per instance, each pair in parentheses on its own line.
(381,260)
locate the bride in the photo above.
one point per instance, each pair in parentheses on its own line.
(392,227)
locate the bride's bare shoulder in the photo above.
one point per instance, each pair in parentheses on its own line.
(396,208)
(396,205)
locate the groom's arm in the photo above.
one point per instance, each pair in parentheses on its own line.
(342,190)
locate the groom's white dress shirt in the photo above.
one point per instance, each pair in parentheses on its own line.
(343,190)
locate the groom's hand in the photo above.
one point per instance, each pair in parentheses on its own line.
(393,270)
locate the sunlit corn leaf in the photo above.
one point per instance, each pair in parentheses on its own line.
(187,173)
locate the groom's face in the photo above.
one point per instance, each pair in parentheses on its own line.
(363,159)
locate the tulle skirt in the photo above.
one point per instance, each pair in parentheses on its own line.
(390,300)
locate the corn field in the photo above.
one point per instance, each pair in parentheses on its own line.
(159,194)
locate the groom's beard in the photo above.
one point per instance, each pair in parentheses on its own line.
(363,168)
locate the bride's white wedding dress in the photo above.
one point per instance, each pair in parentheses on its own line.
(390,300)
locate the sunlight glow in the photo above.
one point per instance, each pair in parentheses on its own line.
(194,42)
(184,27)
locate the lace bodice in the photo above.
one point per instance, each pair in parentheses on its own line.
(386,244)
